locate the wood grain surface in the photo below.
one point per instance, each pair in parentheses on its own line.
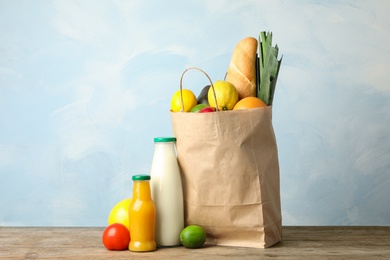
(298,243)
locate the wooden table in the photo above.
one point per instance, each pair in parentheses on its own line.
(298,243)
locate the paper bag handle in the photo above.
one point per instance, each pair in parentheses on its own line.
(181,86)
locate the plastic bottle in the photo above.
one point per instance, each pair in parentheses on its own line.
(167,192)
(142,216)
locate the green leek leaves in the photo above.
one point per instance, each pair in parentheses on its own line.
(268,67)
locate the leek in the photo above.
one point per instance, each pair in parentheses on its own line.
(268,67)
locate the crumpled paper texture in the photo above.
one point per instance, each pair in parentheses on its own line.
(230,174)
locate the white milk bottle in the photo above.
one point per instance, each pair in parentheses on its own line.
(167,192)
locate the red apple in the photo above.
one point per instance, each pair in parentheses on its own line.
(207,110)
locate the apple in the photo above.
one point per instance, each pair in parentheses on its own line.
(207,110)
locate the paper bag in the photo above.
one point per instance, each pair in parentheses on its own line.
(230,174)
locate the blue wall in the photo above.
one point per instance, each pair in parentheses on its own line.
(86,85)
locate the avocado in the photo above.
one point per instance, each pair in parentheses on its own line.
(202,98)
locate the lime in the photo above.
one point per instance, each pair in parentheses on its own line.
(189,101)
(198,107)
(226,93)
(193,236)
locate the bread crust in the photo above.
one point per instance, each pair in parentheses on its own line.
(242,67)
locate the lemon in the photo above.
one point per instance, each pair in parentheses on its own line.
(189,100)
(193,236)
(226,93)
(120,213)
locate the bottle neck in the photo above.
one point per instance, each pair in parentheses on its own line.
(166,147)
(141,190)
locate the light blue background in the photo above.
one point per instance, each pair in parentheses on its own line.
(86,85)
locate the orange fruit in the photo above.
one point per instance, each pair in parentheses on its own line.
(249,102)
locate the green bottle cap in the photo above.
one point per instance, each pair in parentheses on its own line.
(164,139)
(141,177)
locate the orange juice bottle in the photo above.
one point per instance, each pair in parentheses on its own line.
(142,216)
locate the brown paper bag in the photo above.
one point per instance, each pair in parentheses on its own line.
(230,173)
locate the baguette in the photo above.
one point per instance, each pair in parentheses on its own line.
(242,67)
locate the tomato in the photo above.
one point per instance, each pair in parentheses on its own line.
(116,237)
